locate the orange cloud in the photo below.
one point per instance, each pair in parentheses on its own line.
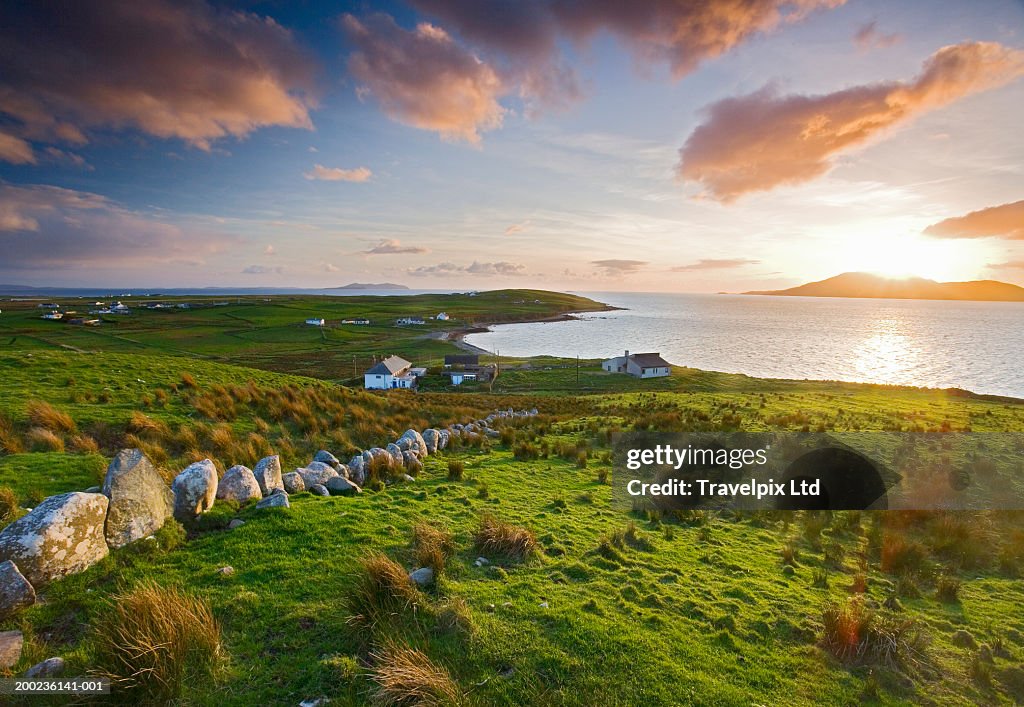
(762,140)
(1003,221)
(394,247)
(51,227)
(15,150)
(619,267)
(170,69)
(423,78)
(715,264)
(337,174)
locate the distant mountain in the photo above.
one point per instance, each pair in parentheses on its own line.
(369,286)
(866,285)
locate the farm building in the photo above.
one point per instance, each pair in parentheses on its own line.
(392,372)
(442,317)
(406,321)
(461,361)
(641,365)
(314,322)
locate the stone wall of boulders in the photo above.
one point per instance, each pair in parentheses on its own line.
(70,532)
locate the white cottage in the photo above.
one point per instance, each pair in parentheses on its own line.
(392,372)
(641,365)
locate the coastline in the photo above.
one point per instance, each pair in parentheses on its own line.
(457,336)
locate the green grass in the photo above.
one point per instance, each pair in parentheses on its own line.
(614,607)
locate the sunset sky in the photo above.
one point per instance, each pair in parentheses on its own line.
(670,145)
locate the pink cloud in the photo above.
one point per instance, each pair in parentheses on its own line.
(1003,221)
(337,174)
(763,140)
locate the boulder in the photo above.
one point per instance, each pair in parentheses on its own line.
(49,668)
(357,470)
(140,500)
(293,482)
(15,591)
(492,433)
(275,500)
(341,486)
(423,577)
(533,412)
(10,648)
(239,484)
(316,473)
(268,474)
(195,490)
(235,523)
(344,471)
(406,478)
(430,438)
(327,458)
(319,490)
(442,438)
(416,440)
(412,462)
(62,535)
(396,454)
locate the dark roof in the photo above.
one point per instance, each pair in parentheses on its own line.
(649,360)
(391,365)
(461,359)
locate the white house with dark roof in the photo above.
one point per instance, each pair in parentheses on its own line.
(392,372)
(641,365)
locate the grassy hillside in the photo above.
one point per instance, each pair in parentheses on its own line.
(607,606)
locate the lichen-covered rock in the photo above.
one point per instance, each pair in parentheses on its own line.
(316,473)
(16,592)
(293,482)
(49,668)
(396,454)
(268,474)
(412,462)
(319,490)
(430,438)
(195,490)
(442,438)
(341,486)
(416,440)
(423,577)
(327,458)
(62,535)
(344,471)
(11,643)
(357,470)
(140,501)
(239,484)
(275,500)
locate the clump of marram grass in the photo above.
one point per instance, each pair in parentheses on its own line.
(497,538)
(155,641)
(8,504)
(902,555)
(406,676)
(947,589)
(42,414)
(41,439)
(432,546)
(456,469)
(856,634)
(383,591)
(10,443)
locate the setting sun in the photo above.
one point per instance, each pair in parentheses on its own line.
(913,255)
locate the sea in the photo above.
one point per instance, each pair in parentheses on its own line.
(977,346)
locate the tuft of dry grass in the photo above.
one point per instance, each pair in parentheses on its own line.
(9,441)
(432,546)
(853,633)
(496,537)
(406,676)
(145,426)
(902,555)
(153,641)
(383,591)
(42,414)
(456,469)
(8,504)
(41,439)
(84,444)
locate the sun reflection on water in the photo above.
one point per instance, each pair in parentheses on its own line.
(887,354)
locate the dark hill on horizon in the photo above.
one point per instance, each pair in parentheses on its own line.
(867,286)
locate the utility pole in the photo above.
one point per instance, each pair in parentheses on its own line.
(577,370)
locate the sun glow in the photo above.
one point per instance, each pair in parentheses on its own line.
(913,255)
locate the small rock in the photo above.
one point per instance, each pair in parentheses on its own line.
(15,591)
(407,479)
(51,667)
(319,490)
(10,648)
(94,489)
(327,458)
(422,577)
(543,605)
(275,500)
(239,484)
(491,608)
(293,482)
(317,702)
(226,570)
(235,523)
(481,561)
(341,485)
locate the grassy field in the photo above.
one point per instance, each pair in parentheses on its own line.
(606,607)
